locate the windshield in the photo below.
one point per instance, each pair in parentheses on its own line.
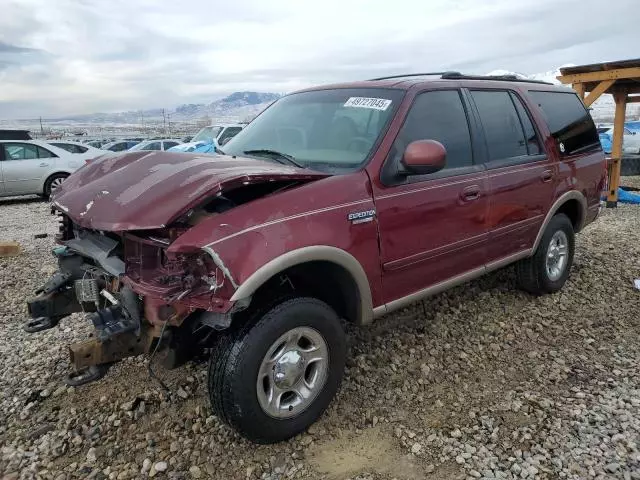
(207,134)
(327,130)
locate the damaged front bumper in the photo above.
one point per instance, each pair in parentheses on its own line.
(130,291)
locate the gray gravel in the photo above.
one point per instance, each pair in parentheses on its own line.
(480,382)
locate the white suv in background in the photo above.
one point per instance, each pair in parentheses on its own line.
(30,167)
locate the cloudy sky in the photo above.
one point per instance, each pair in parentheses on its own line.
(60,57)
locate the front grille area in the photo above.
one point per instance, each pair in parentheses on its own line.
(65,226)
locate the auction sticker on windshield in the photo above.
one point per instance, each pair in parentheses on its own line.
(364,102)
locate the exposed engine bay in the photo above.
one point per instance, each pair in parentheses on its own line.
(131,289)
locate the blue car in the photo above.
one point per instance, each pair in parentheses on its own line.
(209,139)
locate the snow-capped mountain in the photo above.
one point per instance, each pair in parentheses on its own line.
(236,107)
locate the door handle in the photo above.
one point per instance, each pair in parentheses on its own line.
(44,164)
(546,176)
(470,193)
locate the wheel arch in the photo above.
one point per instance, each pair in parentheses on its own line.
(573,204)
(341,265)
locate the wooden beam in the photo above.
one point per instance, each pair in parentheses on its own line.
(596,92)
(634,99)
(620,97)
(599,76)
(579,87)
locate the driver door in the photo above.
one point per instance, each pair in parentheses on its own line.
(432,227)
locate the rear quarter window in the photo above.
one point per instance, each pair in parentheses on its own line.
(569,121)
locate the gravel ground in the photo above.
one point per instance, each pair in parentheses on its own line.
(480,382)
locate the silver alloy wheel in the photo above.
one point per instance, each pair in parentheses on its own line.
(557,255)
(56,182)
(293,372)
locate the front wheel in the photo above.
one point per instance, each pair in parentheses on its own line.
(274,376)
(548,269)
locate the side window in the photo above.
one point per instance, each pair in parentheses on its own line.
(20,151)
(44,153)
(154,146)
(81,149)
(501,124)
(568,120)
(533,144)
(168,145)
(438,115)
(64,146)
(228,133)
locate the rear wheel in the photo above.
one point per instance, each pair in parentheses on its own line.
(274,376)
(548,269)
(53,182)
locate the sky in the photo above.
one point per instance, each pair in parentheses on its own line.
(63,57)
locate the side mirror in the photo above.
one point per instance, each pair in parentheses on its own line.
(424,156)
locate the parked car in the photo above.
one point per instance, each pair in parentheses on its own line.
(120,145)
(84,150)
(630,140)
(209,138)
(14,134)
(156,144)
(96,143)
(342,202)
(30,167)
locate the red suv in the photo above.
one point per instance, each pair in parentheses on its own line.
(341,202)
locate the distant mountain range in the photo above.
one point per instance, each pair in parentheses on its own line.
(238,106)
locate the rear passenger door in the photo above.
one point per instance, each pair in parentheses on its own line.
(432,227)
(521,177)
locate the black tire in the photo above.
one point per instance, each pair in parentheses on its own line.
(237,356)
(532,272)
(48,185)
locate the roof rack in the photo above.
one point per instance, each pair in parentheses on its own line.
(428,74)
(504,78)
(452,75)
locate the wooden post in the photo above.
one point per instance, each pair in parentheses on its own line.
(620,97)
(579,88)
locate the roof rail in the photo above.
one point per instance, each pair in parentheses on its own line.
(428,74)
(504,78)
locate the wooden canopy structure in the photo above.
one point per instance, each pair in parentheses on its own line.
(622,80)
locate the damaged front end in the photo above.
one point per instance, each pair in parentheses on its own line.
(131,289)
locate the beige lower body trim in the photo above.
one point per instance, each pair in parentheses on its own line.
(447,284)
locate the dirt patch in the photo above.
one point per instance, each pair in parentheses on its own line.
(372,451)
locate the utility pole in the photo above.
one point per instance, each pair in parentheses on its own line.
(169,122)
(41,129)
(164,122)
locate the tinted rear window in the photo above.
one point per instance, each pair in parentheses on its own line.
(569,121)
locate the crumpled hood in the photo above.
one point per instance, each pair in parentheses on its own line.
(148,190)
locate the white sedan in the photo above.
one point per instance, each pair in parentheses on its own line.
(30,167)
(159,144)
(77,148)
